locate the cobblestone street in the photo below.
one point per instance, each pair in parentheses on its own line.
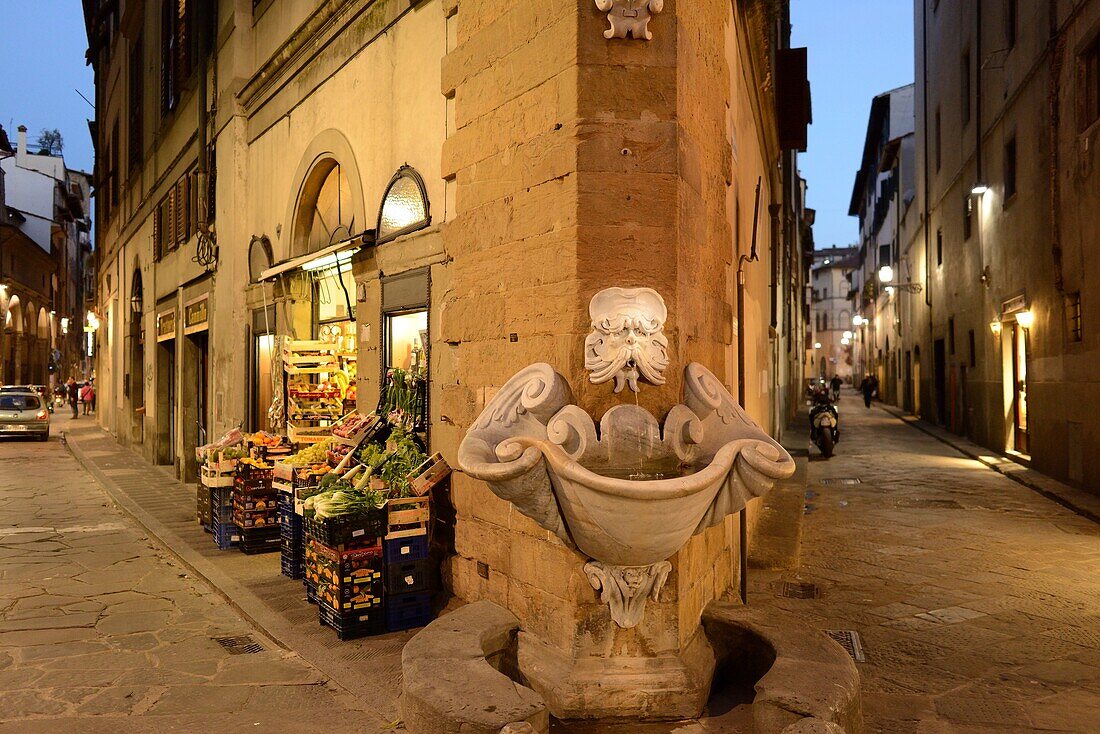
(98,623)
(977,601)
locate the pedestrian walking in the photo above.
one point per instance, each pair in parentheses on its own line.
(92,383)
(71,391)
(835,383)
(867,387)
(86,393)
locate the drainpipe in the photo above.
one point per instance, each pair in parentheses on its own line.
(927,213)
(1054,101)
(743,555)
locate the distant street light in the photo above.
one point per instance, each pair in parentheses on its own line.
(886,274)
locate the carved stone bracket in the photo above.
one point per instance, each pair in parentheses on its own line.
(630,17)
(626,588)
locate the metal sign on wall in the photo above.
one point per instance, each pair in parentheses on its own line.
(196,315)
(166,325)
(1014,304)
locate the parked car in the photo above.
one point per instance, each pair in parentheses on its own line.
(23,413)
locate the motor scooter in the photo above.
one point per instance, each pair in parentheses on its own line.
(824,424)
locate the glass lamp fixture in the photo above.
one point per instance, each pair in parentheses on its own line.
(817,345)
(846,341)
(857,320)
(847,335)
(886,274)
(405,206)
(979,188)
(995,327)
(1026,319)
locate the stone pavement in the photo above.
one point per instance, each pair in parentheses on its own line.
(102,631)
(977,601)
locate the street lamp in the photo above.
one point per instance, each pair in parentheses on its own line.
(857,320)
(995,327)
(1026,319)
(847,335)
(817,345)
(885,274)
(979,189)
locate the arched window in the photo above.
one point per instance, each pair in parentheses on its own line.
(405,206)
(325,213)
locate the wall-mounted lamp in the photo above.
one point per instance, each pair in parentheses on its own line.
(92,321)
(979,188)
(846,341)
(857,320)
(64,324)
(995,327)
(1026,319)
(847,335)
(817,345)
(886,274)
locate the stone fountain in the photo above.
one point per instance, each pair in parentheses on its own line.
(627,495)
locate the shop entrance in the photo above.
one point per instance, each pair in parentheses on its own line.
(166,402)
(1019,389)
(195,399)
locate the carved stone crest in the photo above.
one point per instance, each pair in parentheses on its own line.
(627,339)
(630,17)
(626,588)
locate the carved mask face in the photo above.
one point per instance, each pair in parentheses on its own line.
(627,339)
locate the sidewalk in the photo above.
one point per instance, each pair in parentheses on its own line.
(1080,501)
(253,585)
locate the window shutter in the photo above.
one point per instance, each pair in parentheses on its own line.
(183,40)
(157,252)
(170,223)
(182,205)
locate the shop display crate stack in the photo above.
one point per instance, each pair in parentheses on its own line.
(216,473)
(225,531)
(408,570)
(255,509)
(311,407)
(345,567)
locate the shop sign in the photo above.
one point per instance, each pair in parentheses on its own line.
(196,315)
(1014,304)
(166,325)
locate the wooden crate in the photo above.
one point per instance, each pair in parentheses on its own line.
(408,516)
(433,471)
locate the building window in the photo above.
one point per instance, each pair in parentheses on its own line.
(968,215)
(939,139)
(135,122)
(175,63)
(113,163)
(1088,92)
(939,247)
(1010,169)
(1011,13)
(973,349)
(1073,317)
(964,88)
(951,336)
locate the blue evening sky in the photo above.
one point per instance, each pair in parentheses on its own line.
(857,49)
(42,45)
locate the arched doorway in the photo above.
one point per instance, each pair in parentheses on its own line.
(29,347)
(13,332)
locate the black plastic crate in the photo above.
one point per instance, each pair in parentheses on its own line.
(408,577)
(290,566)
(225,534)
(400,550)
(407,611)
(340,531)
(311,591)
(260,541)
(349,626)
(221,497)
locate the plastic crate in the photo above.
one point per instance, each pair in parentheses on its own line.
(311,591)
(408,577)
(261,540)
(291,567)
(349,626)
(407,611)
(347,579)
(401,550)
(335,532)
(221,497)
(258,502)
(225,534)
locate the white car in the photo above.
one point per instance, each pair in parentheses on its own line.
(23,413)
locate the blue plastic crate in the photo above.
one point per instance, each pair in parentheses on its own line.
(291,567)
(225,534)
(407,611)
(408,577)
(400,550)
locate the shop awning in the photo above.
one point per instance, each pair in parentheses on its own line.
(323,258)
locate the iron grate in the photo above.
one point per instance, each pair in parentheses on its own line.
(239,645)
(849,640)
(799,590)
(924,503)
(841,481)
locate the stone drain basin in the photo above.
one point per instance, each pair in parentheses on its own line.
(773,676)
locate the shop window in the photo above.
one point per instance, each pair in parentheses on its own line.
(406,335)
(404,207)
(1073,317)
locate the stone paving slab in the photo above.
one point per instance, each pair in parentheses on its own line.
(976,598)
(102,630)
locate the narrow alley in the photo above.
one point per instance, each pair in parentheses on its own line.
(976,600)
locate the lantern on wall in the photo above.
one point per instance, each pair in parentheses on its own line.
(405,206)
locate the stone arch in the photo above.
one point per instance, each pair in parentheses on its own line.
(43,324)
(330,153)
(13,321)
(29,327)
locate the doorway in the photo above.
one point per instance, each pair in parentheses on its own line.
(166,402)
(196,402)
(1021,441)
(907,400)
(939,358)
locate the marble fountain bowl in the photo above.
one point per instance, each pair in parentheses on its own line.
(629,495)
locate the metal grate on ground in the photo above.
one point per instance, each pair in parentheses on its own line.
(799,590)
(239,645)
(839,481)
(849,640)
